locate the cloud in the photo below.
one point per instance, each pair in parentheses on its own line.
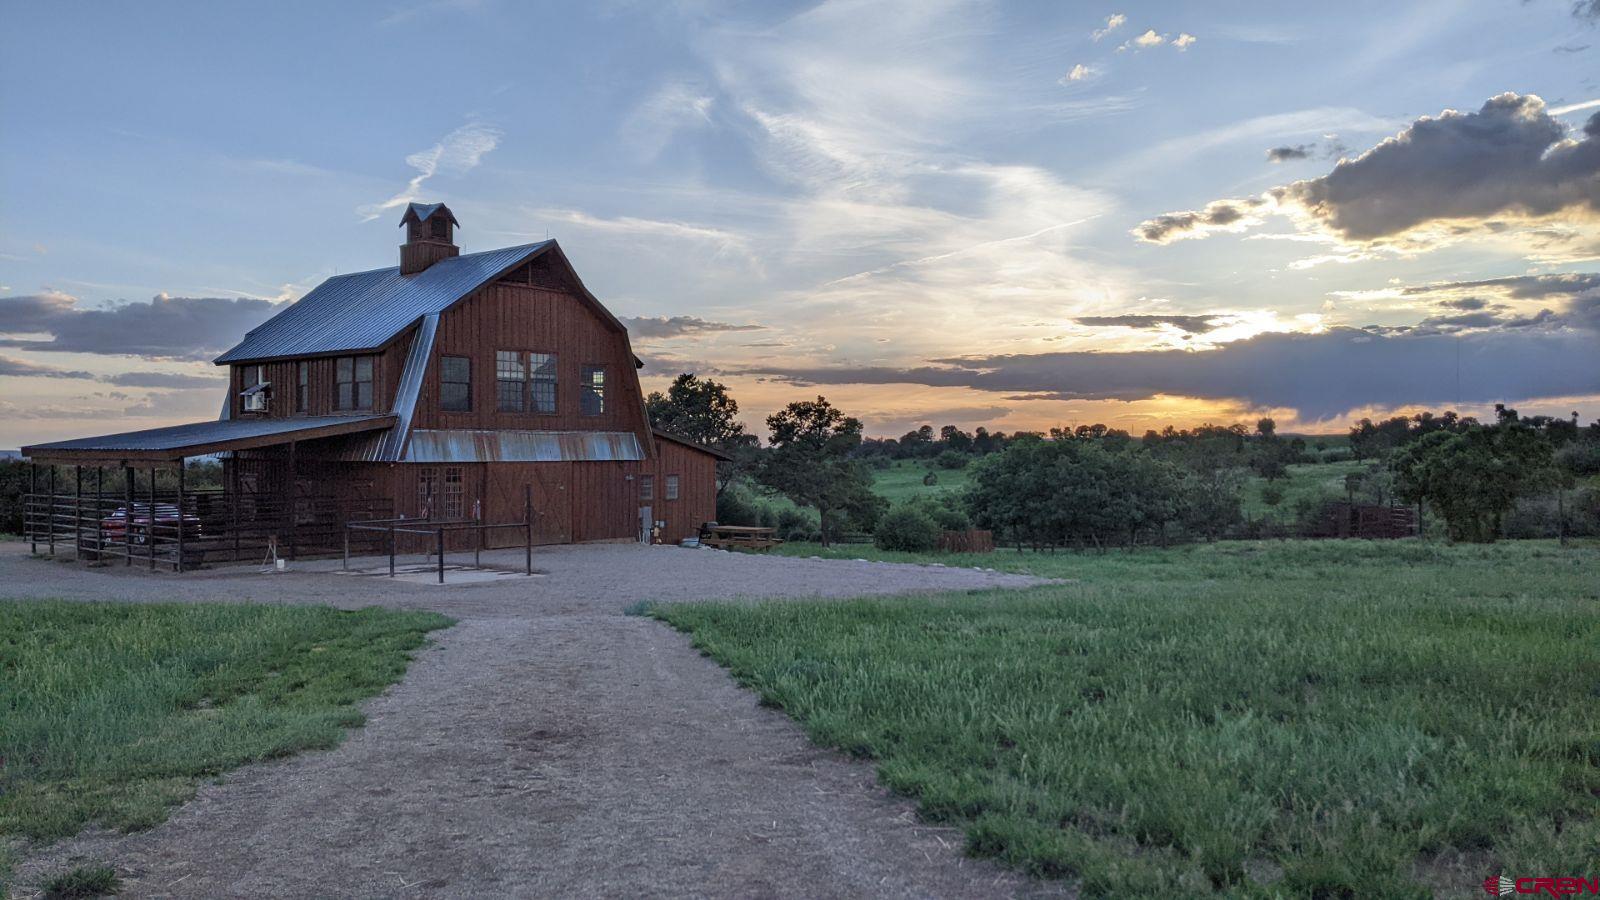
(1146,40)
(1285,153)
(1441,179)
(1080,72)
(725,241)
(194,328)
(19,368)
(1320,375)
(668,327)
(1184,40)
(1113,22)
(1190,324)
(458,152)
(1587,9)
(669,109)
(170,380)
(1518,287)
(1220,215)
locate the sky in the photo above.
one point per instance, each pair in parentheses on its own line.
(1016,215)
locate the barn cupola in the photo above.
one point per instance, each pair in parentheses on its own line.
(430,236)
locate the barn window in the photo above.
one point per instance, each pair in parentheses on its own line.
(509,378)
(441,228)
(647,487)
(252,375)
(427,491)
(352,382)
(454,492)
(543,367)
(593,385)
(455,384)
(302,386)
(672,487)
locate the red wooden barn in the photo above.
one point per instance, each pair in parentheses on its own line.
(441,388)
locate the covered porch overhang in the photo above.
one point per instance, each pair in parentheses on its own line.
(163,447)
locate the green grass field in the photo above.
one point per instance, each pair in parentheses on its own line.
(110,713)
(903,480)
(1325,719)
(1305,481)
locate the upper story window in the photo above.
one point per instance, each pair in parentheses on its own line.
(592,387)
(441,227)
(672,487)
(302,386)
(543,368)
(352,378)
(525,382)
(510,378)
(455,384)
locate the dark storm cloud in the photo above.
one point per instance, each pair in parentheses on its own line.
(160,328)
(1520,287)
(665,327)
(1464,303)
(1175,226)
(1286,153)
(1506,158)
(1511,158)
(1320,375)
(1191,324)
(23,369)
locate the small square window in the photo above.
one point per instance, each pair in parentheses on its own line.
(672,487)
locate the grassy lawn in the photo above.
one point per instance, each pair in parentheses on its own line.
(1333,719)
(110,713)
(903,480)
(1316,480)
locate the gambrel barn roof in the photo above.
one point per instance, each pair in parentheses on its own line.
(366,310)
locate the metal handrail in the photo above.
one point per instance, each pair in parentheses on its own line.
(439,527)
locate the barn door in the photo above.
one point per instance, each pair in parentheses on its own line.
(647,520)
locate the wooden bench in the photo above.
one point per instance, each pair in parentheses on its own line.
(740,537)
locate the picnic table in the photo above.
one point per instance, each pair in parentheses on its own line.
(740,537)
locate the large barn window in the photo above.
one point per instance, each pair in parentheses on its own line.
(543,367)
(427,491)
(302,386)
(593,387)
(352,382)
(455,384)
(454,493)
(672,487)
(509,378)
(647,487)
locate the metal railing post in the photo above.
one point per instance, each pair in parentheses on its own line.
(180,517)
(28,517)
(391,548)
(51,535)
(439,533)
(347,546)
(527,524)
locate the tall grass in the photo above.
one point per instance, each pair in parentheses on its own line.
(1286,719)
(110,712)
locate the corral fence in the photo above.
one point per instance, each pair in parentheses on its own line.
(186,528)
(969,541)
(386,531)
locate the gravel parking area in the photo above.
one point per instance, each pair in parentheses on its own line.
(547,745)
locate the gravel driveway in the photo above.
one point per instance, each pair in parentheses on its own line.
(547,745)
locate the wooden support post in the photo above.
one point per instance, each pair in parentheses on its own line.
(52,518)
(233,505)
(527,519)
(27,508)
(77,512)
(439,534)
(127,518)
(180,515)
(99,514)
(150,530)
(347,546)
(294,490)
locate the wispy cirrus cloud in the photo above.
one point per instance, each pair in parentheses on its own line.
(458,152)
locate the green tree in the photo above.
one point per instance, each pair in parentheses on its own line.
(1471,477)
(703,411)
(809,461)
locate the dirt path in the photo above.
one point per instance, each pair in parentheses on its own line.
(548,745)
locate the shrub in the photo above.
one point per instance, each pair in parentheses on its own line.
(769,517)
(1272,494)
(791,520)
(952,459)
(908,528)
(735,506)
